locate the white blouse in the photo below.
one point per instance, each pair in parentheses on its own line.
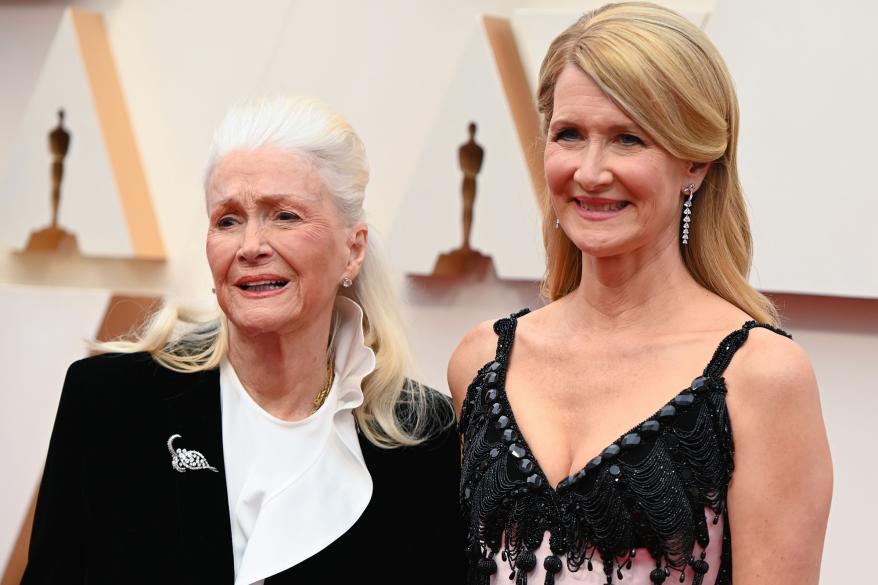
(295,487)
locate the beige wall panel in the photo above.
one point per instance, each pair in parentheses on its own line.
(807,81)
(841,337)
(89,206)
(105,200)
(43,332)
(506,225)
(109,100)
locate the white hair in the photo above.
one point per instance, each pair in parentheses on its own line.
(396,410)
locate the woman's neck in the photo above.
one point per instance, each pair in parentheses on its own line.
(647,289)
(282,372)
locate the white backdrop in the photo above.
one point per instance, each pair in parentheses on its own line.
(807,79)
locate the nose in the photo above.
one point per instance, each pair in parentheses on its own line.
(593,174)
(254,246)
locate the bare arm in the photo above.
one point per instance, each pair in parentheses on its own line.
(475,350)
(780,493)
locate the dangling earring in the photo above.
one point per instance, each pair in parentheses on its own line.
(689,191)
(557,223)
(346,282)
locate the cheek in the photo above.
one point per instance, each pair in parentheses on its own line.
(559,168)
(220,253)
(312,253)
(644,180)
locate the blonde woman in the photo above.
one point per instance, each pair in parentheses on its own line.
(281,442)
(583,460)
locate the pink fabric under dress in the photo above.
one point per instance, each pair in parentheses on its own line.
(650,508)
(642,565)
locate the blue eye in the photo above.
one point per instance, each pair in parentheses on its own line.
(630,140)
(566,134)
(287,216)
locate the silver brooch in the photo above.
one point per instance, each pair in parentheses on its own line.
(183,459)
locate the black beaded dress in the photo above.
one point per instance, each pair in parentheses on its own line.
(650,508)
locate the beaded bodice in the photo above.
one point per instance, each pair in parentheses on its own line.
(651,492)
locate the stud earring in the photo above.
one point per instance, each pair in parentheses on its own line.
(557,223)
(213,290)
(346,282)
(689,191)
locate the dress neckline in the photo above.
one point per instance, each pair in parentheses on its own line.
(711,377)
(595,461)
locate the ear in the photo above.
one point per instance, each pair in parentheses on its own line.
(695,173)
(358,237)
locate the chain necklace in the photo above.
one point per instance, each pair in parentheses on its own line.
(327,384)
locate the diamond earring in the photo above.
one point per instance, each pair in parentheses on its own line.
(689,191)
(346,281)
(557,223)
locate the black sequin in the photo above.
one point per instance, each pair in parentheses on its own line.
(650,428)
(525,466)
(697,384)
(630,440)
(684,399)
(517,451)
(667,412)
(611,452)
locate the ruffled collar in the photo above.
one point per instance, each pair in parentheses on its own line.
(300,485)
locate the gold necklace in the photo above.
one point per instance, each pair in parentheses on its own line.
(327,384)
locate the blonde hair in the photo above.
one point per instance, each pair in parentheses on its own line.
(396,411)
(667,76)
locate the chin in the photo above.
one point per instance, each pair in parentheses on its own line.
(609,243)
(265,321)
(601,247)
(252,327)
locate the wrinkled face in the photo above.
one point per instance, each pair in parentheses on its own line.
(277,247)
(612,187)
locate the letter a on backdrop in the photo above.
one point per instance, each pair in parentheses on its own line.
(490,89)
(105,200)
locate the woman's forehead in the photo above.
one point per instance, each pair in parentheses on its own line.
(264,174)
(576,92)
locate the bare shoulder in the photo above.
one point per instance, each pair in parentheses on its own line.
(772,393)
(772,366)
(475,350)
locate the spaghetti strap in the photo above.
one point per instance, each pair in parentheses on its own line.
(492,373)
(727,348)
(505,330)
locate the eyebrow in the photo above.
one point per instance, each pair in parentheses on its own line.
(226,200)
(626,127)
(614,127)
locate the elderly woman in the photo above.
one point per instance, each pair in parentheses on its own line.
(582,459)
(283,441)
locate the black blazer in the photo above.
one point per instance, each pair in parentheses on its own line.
(111,509)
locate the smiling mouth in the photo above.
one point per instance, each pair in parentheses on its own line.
(616,206)
(263,285)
